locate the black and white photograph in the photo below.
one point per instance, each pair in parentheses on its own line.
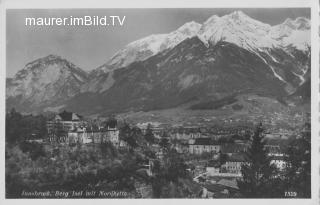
(159,103)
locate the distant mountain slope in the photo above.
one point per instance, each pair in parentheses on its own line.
(138,51)
(44,82)
(302,95)
(189,71)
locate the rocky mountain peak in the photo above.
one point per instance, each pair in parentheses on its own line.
(189,28)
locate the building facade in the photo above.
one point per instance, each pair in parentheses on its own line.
(84,136)
(233,164)
(59,126)
(203,145)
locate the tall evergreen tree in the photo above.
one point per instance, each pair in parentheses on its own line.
(167,174)
(258,175)
(130,135)
(149,136)
(298,170)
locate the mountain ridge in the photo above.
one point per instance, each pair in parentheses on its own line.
(44,81)
(238,51)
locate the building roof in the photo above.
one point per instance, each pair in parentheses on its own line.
(69,116)
(214,187)
(237,158)
(273,149)
(193,186)
(213,163)
(229,183)
(281,158)
(205,141)
(233,148)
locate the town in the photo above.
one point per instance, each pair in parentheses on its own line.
(213,157)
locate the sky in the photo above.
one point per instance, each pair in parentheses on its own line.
(90,47)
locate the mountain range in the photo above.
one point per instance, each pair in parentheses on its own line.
(225,56)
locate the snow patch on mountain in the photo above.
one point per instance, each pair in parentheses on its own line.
(301,77)
(188,80)
(107,83)
(299,39)
(237,28)
(294,33)
(248,33)
(144,48)
(272,69)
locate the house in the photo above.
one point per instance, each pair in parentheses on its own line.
(213,168)
(233,148)
(274,150)
(203,145)
(85,136)
(230,183)
(157,131)
(214,191)
(224,188)
(61,124)
(113,134)
(67,121)
(233,163)
(186,133)
(279,162)
(78,136)
(181,147)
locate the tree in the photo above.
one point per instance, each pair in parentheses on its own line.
(124,132)
(164,141)
(149,136)
(258,174)
(13,124)
(168,174)
(129,135)
(111,122)
(223,158)
(35,150)
(175,166)
(20,127)
(298,169)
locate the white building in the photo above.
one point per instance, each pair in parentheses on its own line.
(203,145)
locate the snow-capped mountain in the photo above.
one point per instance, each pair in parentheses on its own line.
(44,82)
(142,49)
(237,28)
(190,72)
(224,56)
(253,35)
(266,41)
(294,33)
(280,52)
(139,50)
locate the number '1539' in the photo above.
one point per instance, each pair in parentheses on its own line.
(290,194)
